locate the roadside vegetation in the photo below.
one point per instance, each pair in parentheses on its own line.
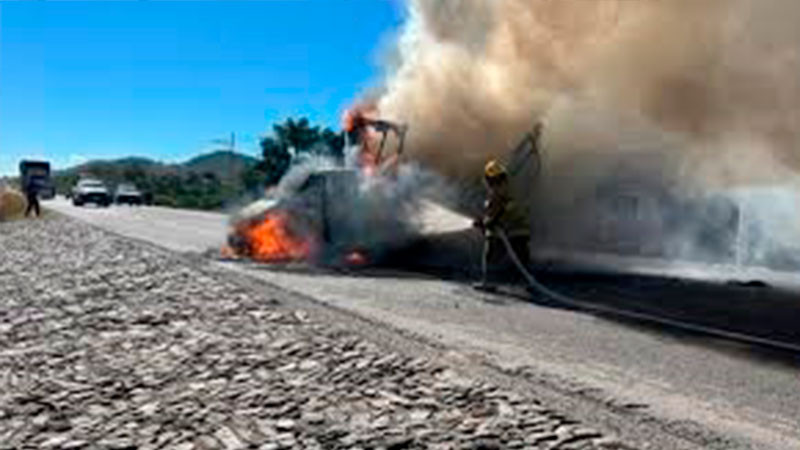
(213,180)
(12,204)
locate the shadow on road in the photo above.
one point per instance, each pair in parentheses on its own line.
(754,309)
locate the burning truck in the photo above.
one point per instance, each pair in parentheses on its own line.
(330,212)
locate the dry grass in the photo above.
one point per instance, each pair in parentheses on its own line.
(12,205)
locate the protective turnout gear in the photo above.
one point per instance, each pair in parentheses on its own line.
(504,222)
(495,253)
(494,169)
(501,212)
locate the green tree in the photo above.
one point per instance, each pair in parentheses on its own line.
(334,143)
(253,179)
(299,135)
(134,174)
(292,135)
(276,160)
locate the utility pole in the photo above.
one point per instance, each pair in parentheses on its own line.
(229,146)
(232,149)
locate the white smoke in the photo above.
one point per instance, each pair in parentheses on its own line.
(343,208)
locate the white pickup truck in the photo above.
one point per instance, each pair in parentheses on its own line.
(89,190)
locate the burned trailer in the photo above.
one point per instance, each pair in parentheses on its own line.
(640,217)
(636,208)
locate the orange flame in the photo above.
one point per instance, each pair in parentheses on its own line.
(272,240)
(356,119)
(355,258)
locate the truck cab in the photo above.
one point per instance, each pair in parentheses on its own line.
(36,175)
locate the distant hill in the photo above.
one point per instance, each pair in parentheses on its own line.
(225,165)
(207,181)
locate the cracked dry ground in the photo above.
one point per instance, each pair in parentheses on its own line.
(109,343)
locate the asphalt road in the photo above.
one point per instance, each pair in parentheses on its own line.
(712,393)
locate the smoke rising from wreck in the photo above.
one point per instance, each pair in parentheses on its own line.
(696,96)
(716,80)
(334,213)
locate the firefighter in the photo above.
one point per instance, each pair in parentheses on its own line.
(501,211)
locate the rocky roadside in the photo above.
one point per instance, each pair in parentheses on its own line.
(108,343)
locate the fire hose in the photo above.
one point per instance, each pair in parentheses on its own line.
(570,302)
(529,147)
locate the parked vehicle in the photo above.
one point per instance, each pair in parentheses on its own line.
(89,190)
(129,194)
(37,173)
(48,191)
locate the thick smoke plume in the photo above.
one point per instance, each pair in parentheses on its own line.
(715,84)
(699,97)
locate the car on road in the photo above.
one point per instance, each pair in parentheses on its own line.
(90,190)
(128,193)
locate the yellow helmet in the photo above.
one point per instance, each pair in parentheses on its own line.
(493,169)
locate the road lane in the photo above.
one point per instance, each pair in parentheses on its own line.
(175,229)
(732,390)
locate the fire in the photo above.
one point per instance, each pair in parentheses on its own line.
(286,230)
(272,240)
(355,258)
(356,119)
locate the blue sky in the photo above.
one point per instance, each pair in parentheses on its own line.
(86,80)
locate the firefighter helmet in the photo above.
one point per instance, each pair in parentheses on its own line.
(494,169)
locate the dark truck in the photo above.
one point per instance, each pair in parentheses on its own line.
(128,193)
(37,174)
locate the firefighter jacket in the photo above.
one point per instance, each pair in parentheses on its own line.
(501,210)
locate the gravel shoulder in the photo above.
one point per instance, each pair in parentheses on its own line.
(656,389)
(110,343)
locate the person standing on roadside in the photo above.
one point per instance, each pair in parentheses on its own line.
(31,189)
